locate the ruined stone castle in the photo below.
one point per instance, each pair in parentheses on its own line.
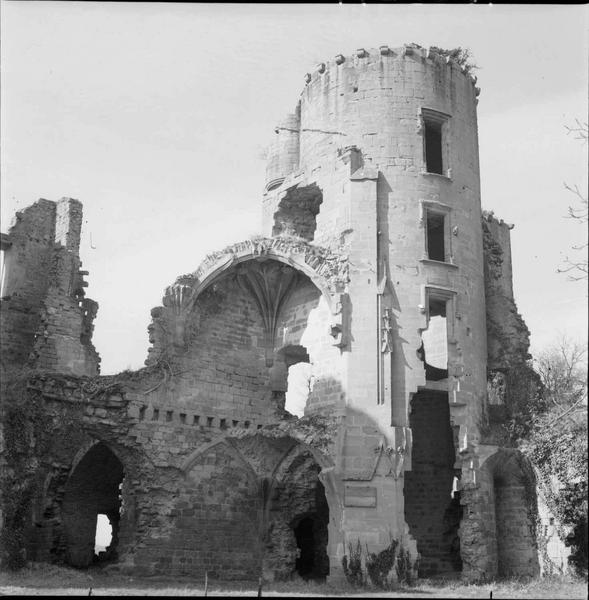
(379,270)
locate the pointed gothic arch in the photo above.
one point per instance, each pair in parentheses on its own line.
(92,488)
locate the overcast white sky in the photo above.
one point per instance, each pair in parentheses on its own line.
(155,117)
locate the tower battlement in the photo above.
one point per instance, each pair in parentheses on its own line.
(364,58)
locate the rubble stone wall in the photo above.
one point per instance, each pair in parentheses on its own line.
(45,320)
(508,337)
(192,497)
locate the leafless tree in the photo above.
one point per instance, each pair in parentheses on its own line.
(563,370)
(577,267)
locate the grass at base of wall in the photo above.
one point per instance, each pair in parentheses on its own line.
(42,579)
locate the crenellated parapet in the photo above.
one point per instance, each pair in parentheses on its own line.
(362,57)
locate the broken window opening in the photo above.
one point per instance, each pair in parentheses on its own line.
(435,236)
(103,537)
(298,388)
(297,212)
(291,379)
(434,345)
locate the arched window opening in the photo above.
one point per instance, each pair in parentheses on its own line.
(91,508)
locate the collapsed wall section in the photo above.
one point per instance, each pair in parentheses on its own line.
(508,337)
(46,322)
(432,503)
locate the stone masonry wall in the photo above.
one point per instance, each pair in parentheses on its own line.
(192,497)
(220,372)
(26,267)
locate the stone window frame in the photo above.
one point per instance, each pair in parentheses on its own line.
(430,206)
(443,119)
(447,295)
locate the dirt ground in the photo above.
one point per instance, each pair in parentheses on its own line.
(42,580)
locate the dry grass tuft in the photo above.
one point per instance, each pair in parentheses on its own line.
(43,579)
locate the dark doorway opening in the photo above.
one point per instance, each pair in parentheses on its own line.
(305,563)
(432,505)
(93,489)
(311,534)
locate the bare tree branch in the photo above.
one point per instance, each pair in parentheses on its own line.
(577,268)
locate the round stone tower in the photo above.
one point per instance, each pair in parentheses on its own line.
(387,173)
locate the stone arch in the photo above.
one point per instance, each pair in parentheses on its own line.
(86,447)
(327,271)
(194,456)
(297,517)
(267,270)
(216,517)
(92,488)
(513,508)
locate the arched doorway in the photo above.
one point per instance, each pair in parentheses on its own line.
(311,535)
(298,520)
(514,507)
(93,489)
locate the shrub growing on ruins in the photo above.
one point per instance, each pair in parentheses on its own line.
(383,570)
(461,56)
(353,566)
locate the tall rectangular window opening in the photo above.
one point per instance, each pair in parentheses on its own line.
(435,141)
(435,236)
(433,147)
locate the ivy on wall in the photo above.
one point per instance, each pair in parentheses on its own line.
(23,422)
